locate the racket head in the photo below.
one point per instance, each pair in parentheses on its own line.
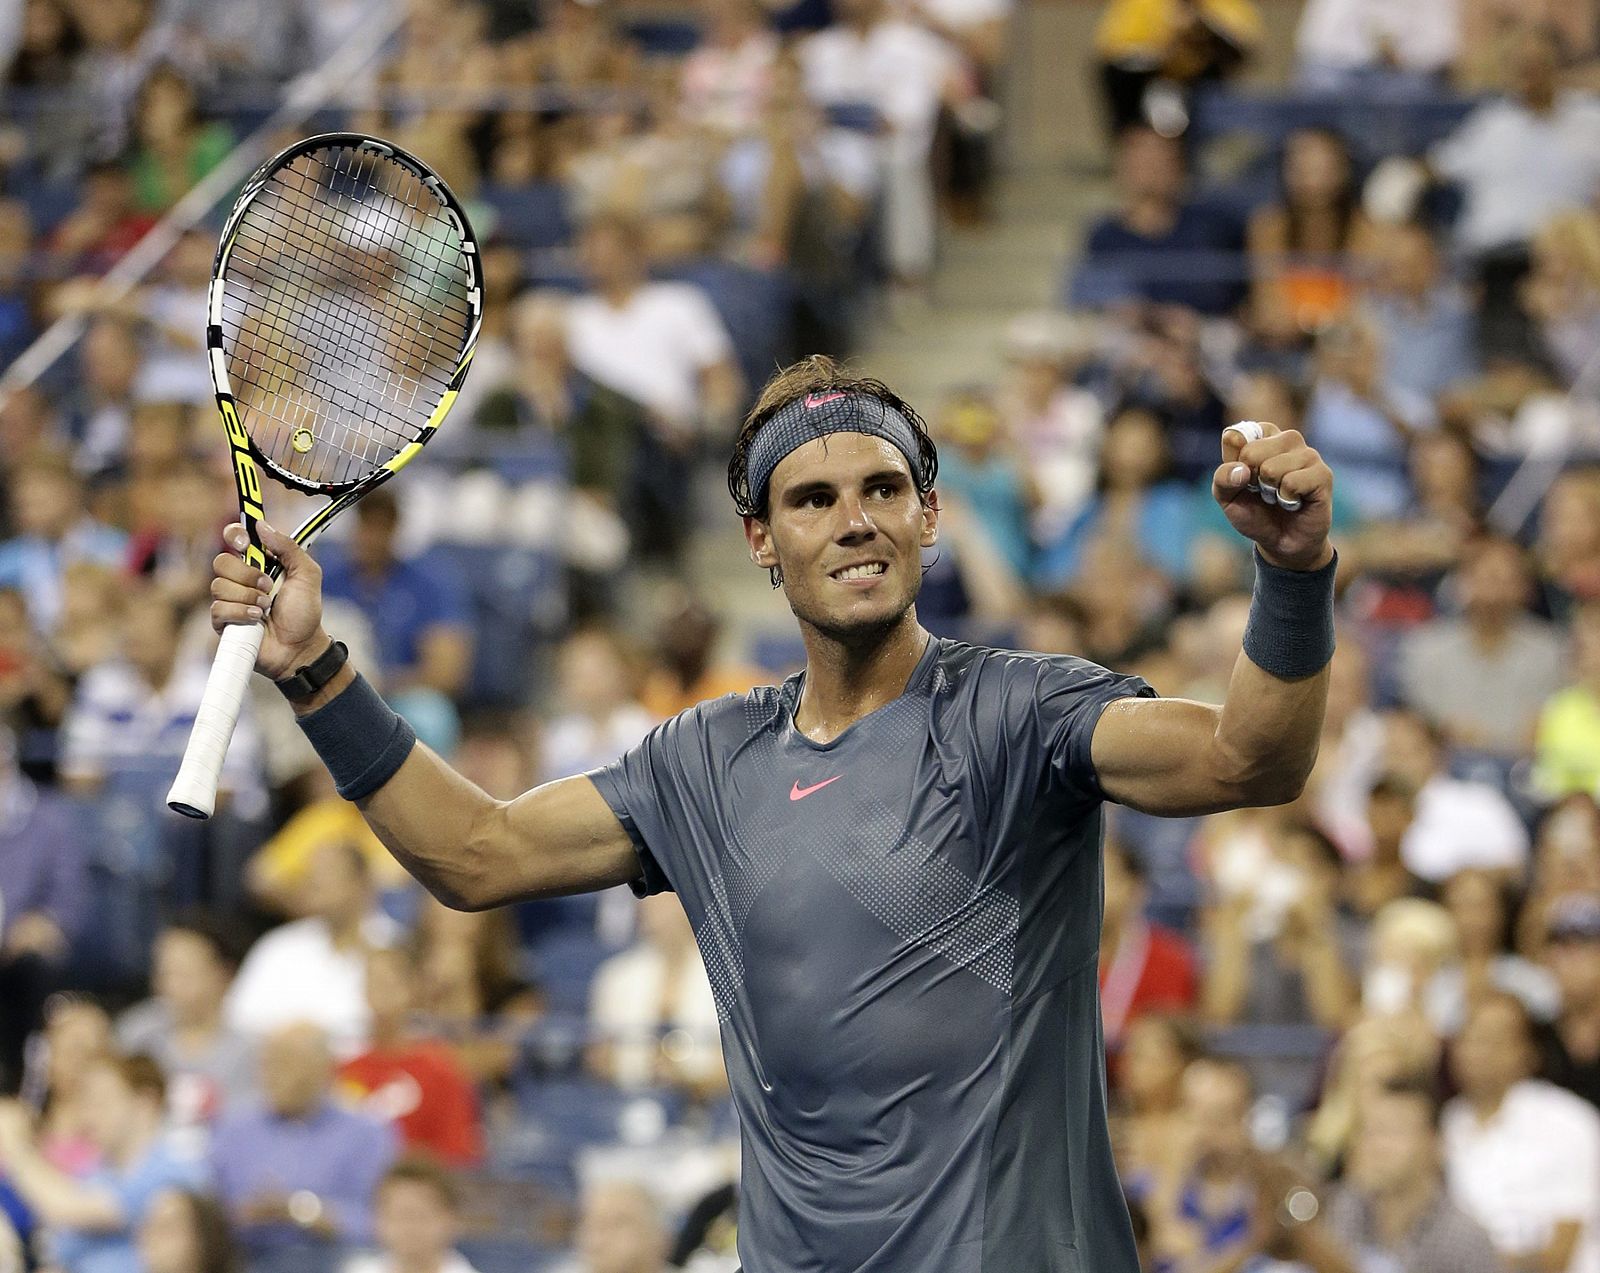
(345,303)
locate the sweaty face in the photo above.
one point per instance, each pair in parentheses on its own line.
(846,525)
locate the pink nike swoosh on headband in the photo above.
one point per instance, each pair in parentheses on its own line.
(815,400)
(797,792)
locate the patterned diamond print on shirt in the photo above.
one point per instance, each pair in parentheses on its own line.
(719,949)
(925,900)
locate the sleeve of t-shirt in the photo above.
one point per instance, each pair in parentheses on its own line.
(652,790)
(1058,704)
(1456,156)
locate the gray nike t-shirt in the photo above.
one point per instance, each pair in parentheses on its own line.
(902,932)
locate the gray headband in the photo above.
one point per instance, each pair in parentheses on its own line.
(817,415)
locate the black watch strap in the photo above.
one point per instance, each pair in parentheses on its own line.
(314,675)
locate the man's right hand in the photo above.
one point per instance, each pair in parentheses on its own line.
(242,594)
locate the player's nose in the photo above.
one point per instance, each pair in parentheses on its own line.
(855,523)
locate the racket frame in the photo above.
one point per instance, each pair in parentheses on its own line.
(240,642)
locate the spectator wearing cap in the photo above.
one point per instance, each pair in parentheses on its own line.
(1522,1156)
(44,893)
(93,1219)
(296,1171)
(416,1220)
(1569,1047)
(208,1064)
(1392,1210)
(1483,676)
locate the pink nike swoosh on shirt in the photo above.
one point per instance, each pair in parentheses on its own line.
(815,400)
(797,792)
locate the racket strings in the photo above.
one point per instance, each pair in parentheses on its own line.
(345,312)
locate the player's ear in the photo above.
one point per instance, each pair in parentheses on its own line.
(759,537)
(930,519)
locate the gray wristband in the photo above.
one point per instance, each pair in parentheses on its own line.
(1290,631)
(360,738)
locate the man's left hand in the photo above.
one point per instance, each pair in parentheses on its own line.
(1281,459)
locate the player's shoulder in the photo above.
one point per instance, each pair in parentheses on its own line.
(960,661)
(730,716)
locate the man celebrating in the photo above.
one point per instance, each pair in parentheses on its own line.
(891,860)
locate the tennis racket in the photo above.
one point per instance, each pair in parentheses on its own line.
(345,304)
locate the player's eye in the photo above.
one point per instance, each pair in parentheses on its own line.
(817,500)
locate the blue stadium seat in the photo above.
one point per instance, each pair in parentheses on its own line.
(663,37)
(1375,127)
(531,216)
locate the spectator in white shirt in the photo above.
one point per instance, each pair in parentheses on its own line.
(417,1221)
(1456,823)
(1524,157)
(869,57)
(620,1230)
(314,969)
(652,1009)
(1522,1156)
(661,344)
(1345,43)
(133,714)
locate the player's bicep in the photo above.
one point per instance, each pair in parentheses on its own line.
(561,837)
(1160,755)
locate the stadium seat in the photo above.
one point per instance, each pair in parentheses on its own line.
(663,37)
(531,216)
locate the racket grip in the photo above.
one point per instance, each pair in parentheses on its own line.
(194,790)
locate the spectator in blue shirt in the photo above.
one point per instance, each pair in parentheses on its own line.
(298,1173)
(1423,320)
(52,529)
(419,612)
(44,886)
(1158,246)
(91,1221)
(1137,501)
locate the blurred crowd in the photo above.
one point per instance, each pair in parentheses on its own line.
(1358,1032)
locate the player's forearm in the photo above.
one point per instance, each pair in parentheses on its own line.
(1266,739)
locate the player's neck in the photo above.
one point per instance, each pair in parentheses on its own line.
(845,682)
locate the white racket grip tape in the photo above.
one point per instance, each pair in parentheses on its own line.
(194,790)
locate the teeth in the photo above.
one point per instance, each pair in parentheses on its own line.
(861,572)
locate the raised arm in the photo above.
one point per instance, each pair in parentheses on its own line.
(1180,758)
(468,849)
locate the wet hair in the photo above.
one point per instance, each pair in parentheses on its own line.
(817,374)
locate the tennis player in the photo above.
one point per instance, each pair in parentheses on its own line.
(891,861)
